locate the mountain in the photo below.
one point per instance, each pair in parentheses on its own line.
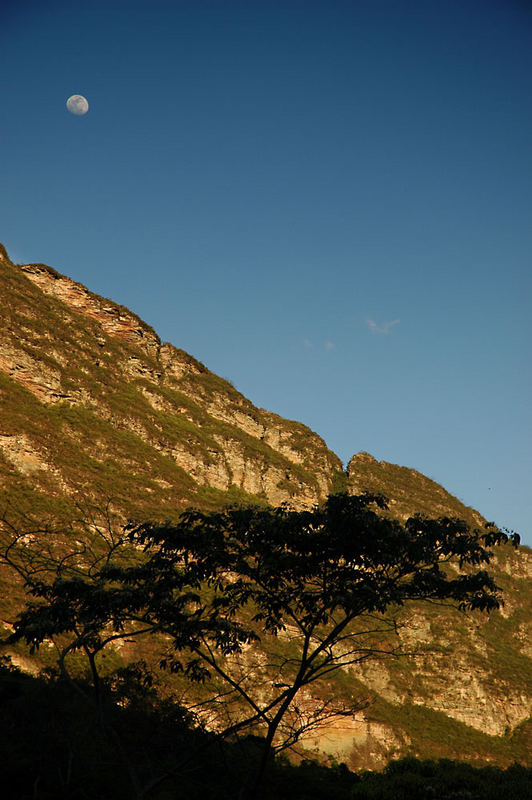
(93,398)
(98,413)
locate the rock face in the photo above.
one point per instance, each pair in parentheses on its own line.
(71,355)
(412,491)
(96,409)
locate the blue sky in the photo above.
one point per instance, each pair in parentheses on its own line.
(328,203)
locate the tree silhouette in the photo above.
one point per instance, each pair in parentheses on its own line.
(324,582)
(261,604)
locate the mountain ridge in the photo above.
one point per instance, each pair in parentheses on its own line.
(163,366)
(120,323)
(98,411)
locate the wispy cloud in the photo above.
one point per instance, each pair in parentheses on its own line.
(382,328)
(327,345)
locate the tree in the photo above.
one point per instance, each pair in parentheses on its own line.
(328,582)
(261,604)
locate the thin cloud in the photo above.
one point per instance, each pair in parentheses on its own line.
(382,328)
(329,345)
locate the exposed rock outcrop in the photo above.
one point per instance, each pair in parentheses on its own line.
(95,408)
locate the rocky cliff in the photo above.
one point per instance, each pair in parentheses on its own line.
(95,409)
(87,386)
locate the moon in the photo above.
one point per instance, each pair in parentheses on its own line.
(77,104)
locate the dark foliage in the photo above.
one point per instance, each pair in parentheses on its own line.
(410,779)
(318,588)
(52,749)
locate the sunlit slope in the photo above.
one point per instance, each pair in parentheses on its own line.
(96,410)
(408,490)
(94,404)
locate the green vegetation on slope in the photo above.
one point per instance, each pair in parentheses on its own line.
(89,417)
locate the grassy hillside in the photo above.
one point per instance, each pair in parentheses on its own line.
(101,422)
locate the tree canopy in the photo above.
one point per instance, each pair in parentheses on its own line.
(259,604)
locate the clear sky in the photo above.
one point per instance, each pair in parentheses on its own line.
(329,203)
